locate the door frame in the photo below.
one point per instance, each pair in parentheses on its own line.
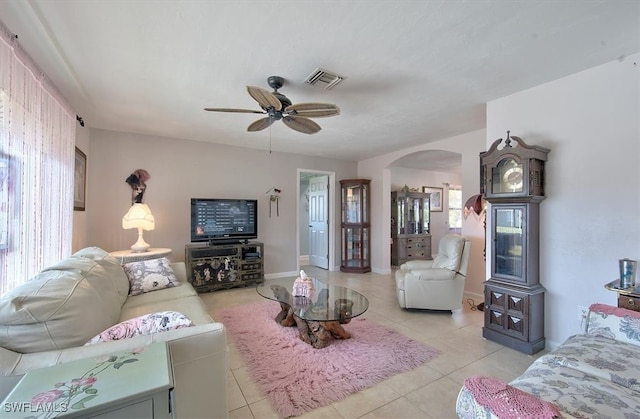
(331,210)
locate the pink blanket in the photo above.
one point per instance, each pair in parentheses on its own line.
(507,402)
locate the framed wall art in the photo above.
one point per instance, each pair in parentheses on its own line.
(80,181)
(435,199)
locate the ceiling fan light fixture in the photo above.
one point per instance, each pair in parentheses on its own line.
(278,107)
(324,78)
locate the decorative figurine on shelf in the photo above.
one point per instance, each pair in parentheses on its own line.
(303,286)
(137,180)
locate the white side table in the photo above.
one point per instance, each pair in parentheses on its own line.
(126,256)
(123,385)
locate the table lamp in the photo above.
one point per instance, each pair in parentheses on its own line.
(139,216)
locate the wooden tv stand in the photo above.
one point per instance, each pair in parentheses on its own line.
(211,267)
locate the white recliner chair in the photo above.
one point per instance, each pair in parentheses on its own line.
(436,284)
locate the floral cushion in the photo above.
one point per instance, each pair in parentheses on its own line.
(614,323)
(143,325)
(150,275)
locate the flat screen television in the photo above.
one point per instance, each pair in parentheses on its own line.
(223,220)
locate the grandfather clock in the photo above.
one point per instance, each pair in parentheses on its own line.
(512,181)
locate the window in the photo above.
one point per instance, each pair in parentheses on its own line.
(455,209)
(37,144)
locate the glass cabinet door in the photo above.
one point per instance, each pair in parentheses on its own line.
(509,242)
(426,210)
(356,248)
(415,211)
(410,213)
(401,220)
(355,226)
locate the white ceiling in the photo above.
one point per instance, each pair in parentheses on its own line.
(417,71)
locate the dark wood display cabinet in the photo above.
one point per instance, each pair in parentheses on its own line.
(512,181)
(355,225)
(410,235)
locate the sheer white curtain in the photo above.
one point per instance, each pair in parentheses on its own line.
(37,143)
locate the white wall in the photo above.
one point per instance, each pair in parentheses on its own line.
(378,169)
(182,169)
(589,220)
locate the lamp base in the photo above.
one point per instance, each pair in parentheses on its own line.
(140,246)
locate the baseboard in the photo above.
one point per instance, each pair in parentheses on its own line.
(304,260)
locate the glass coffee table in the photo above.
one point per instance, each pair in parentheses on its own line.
(320,316)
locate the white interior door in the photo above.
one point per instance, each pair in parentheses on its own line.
(319,221)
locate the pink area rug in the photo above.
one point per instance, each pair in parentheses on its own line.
(297,378)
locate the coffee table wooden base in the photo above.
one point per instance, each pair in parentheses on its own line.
(315,333)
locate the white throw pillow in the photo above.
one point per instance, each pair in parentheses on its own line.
(143,325)
(150,275)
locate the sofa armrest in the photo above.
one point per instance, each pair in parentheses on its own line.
(416,264)
(13,363)
(198,356)
(435,274)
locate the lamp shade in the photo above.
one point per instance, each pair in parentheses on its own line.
(138,216)
(477,205)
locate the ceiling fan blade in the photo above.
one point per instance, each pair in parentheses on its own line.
(264,98)
(260,124)
(304,125)
(232,110)
(313,110)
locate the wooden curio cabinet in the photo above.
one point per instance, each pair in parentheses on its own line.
(356,230)
(512,182)
(410,234)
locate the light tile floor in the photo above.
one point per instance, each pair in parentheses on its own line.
(429,391)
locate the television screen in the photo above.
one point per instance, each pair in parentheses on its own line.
(223,219)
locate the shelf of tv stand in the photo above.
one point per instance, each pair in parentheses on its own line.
(216,266)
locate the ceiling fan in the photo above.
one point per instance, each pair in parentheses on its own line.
(277,106)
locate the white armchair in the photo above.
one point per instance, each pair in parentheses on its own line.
(436,284)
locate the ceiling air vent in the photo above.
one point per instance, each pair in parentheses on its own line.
(323,78)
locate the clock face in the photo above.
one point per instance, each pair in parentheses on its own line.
(508,177)
(513,178)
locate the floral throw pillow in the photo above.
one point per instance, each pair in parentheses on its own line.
(150,275)
(143,325)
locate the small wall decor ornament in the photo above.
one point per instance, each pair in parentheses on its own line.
(137,180)
(274,198)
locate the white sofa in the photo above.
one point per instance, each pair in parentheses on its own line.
(47,321)
(591,375)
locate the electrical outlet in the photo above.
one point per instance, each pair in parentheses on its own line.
(582,313)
